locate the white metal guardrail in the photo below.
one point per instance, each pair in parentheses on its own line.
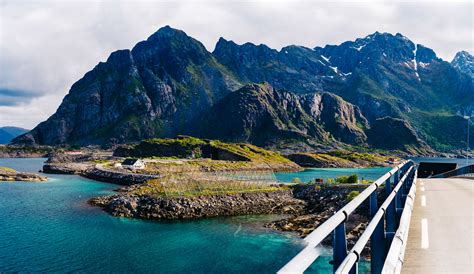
(380,230)
(396,254)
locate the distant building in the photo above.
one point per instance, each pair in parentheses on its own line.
(133,164)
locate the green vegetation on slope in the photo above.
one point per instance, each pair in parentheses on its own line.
(206,154)
(7,169)
(442,130)
(182,184)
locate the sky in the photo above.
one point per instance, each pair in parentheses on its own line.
(45,46)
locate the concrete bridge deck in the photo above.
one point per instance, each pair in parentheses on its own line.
(441,234)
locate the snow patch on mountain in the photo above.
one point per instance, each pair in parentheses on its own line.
(415,66)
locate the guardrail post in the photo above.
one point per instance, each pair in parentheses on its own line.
(391,211)
(377,248)
(388,187)
(390,222)
(377,245)
(396,178)
(373,204)
(339,245)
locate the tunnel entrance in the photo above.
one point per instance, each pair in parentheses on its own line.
(426,169)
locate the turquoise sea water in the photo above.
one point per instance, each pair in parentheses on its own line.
(50,227)
(326,173)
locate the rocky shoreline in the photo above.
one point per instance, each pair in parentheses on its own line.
(9,175)
(99,173)
(304,207)
(66,168)
(171,208)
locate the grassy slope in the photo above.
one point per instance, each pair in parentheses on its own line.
(248,157)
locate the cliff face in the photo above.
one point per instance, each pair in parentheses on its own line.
(260,114)
(170,84)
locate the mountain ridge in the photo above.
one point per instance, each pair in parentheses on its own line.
(8,133)
(165,84)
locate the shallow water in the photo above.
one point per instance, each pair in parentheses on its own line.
(50,227)
(310,174)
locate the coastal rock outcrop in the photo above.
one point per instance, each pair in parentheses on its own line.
(99,173)
(304,207)
(169,208)
(8,174)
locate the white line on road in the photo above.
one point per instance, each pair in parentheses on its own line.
(423,200)
(422,188)
(425,243)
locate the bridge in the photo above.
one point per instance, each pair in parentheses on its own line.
(420,226)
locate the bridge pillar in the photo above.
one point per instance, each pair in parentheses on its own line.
(339,245)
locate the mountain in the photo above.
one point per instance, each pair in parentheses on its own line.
(8,133)
(155,89)
(262,115)
(464,62)
(259,114)
(341,94)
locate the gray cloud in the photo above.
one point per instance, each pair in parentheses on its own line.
(45,46)
(14,97)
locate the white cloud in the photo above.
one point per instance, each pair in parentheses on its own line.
(45,46)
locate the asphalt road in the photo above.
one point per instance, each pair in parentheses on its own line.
(441,234)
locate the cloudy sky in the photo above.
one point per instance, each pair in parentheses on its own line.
(45,46)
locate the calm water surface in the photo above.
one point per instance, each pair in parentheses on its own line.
(327,173)
(50,227)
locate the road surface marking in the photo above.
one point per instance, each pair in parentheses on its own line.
(425,243)
(422,188)
(423,200)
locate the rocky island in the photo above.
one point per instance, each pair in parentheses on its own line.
(8,174)
(191,178)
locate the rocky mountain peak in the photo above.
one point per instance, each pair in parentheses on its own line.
(120,58)
(424,54)
(166,31)
(464,62)
(171,46)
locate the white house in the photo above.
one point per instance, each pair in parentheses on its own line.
(133,164)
